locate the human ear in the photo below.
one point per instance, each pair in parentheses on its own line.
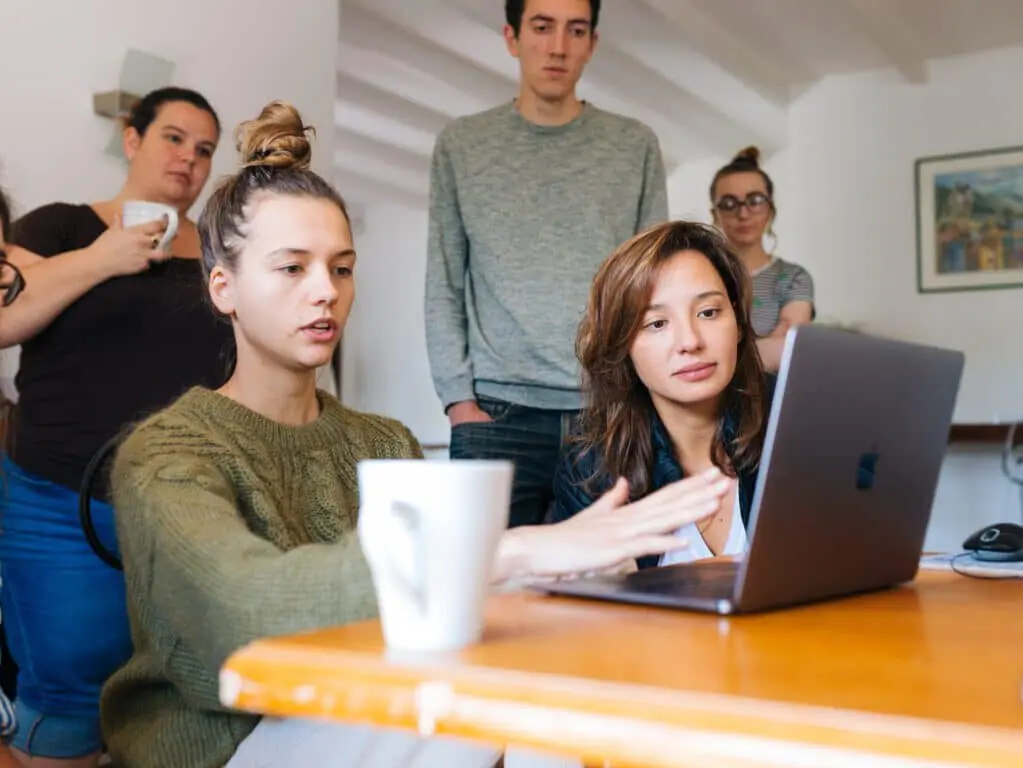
(222,290)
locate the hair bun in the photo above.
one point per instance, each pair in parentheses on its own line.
(750,155)
(276,139)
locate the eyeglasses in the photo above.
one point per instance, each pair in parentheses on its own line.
(12,282)
(754,202)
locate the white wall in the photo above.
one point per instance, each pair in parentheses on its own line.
(239,53)
(847,213)
(385,368)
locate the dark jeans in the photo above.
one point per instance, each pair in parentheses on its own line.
(531,438)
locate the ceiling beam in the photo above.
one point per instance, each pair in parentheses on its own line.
(413,184)
(699,110)
(351,144)
(363,120)
(716,102)
(362,28)
(362,190)
(351,89)
(391,71)
(698,30)
(893,35)
(375,161)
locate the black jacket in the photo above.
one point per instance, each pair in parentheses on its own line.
(576,467)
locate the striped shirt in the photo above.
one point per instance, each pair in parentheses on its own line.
(775,285)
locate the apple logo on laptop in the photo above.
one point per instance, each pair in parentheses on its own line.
(866,470)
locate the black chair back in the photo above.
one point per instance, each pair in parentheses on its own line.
(92,471)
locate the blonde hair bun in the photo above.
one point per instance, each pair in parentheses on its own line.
(276,139)
(750,154)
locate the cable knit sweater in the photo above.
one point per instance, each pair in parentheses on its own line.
(232,527)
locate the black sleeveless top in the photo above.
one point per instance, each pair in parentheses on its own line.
(125,349)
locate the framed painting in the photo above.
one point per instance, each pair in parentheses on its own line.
(969,221)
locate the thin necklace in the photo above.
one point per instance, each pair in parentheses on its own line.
(703,529)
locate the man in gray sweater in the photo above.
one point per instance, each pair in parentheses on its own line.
(526,200)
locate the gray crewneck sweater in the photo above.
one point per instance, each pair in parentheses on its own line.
(521,216)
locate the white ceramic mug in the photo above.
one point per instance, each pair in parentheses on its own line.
(430,530)
(135,212)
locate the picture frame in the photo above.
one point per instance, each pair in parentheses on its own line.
(969,220)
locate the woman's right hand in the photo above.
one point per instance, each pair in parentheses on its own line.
(611,531)
(128,251)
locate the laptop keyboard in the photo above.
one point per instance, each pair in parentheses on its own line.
(714,579)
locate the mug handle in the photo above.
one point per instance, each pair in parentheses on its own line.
(400,550)
(172,228)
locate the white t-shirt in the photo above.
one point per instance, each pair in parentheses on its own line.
(697,548)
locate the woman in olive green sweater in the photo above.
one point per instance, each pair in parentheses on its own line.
(236,509)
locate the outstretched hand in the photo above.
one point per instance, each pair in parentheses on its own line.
(612,532)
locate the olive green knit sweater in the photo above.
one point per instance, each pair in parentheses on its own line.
(232,527)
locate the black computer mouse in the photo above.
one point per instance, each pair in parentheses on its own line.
(1001,541)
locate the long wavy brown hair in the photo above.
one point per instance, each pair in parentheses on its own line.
(616,422)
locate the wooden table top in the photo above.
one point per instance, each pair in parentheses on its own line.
(929,674)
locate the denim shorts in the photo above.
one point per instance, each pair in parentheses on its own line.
(64,614)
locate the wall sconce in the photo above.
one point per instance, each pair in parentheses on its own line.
(114,104)
(141,73)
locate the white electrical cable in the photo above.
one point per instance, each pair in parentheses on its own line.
(1012,462)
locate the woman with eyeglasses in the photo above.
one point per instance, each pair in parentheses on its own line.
(112,327)
(743,208)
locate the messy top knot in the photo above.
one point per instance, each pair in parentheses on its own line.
(275,139)
(275,153)
(745,161)
(750,155)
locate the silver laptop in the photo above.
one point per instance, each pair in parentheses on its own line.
(858,430)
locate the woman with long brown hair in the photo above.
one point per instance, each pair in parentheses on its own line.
(673,382)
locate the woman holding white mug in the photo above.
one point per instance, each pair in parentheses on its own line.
(112,326)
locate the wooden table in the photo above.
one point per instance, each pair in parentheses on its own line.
(929,674)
